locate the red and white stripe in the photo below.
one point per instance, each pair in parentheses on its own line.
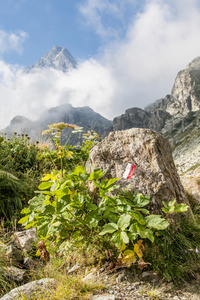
(130,169)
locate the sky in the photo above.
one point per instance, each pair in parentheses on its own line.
(129,53)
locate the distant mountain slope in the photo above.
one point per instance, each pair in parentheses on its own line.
(177,116)
(58,58)
(82,116)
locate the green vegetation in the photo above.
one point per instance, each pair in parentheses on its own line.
(77,213)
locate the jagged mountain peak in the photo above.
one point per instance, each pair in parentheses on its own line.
(194,64)
(58,58)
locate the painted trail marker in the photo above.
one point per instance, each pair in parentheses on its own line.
(130,169)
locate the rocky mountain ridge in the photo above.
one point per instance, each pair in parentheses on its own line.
(82,116)
(177,116)
(58,58)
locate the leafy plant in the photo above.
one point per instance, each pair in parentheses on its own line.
(64,208)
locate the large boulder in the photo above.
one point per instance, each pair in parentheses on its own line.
(150,155)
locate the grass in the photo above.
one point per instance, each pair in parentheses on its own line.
(69,286)
(174,252)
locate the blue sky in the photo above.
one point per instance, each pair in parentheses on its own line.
(48,23)
(129,52)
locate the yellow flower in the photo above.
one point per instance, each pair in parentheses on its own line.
(48,131)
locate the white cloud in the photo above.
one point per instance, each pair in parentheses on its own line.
(12,41)
(101,16)
(161,39)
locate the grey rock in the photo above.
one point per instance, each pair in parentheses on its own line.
(150,276)
(89,277)
(14,255)
(103,297)
(26,238)
(155,174)
(15,274)
(29,263)
(74,268)
(30,289)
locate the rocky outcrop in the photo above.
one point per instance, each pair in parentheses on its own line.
(139,118)
(155,174)
(31,289)
(185,95)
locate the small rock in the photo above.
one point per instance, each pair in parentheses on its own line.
(89,277)
(14,255)
(151,276)
(103,297)
(74,268)
(120,278)
(29,263)
(26,238)
(15,274)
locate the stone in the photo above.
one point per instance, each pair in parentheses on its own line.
(26,238)
(13,254)
(103,297)
(74,268)
(29,263)
(15,274)
(89,277)
(30,289)
(155,174)
(150,276)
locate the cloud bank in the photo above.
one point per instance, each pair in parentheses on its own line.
(161,39)
(12,41)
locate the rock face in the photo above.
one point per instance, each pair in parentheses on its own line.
(139,118)
(155,174)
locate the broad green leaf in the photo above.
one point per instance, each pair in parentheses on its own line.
(116,239)
(97,174)
(24,219)
(84,177)
(124,237)
(79,170)
(157,222)
(138,217)
(165,205)
(171,203)
(165,210)
(181,207)
(45,185)
(48,209)
(109,228)
(143,210)
(146,233)
(140,200)
(25,211)
(111,181)
(47,177)
(124,221)
(93,223)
